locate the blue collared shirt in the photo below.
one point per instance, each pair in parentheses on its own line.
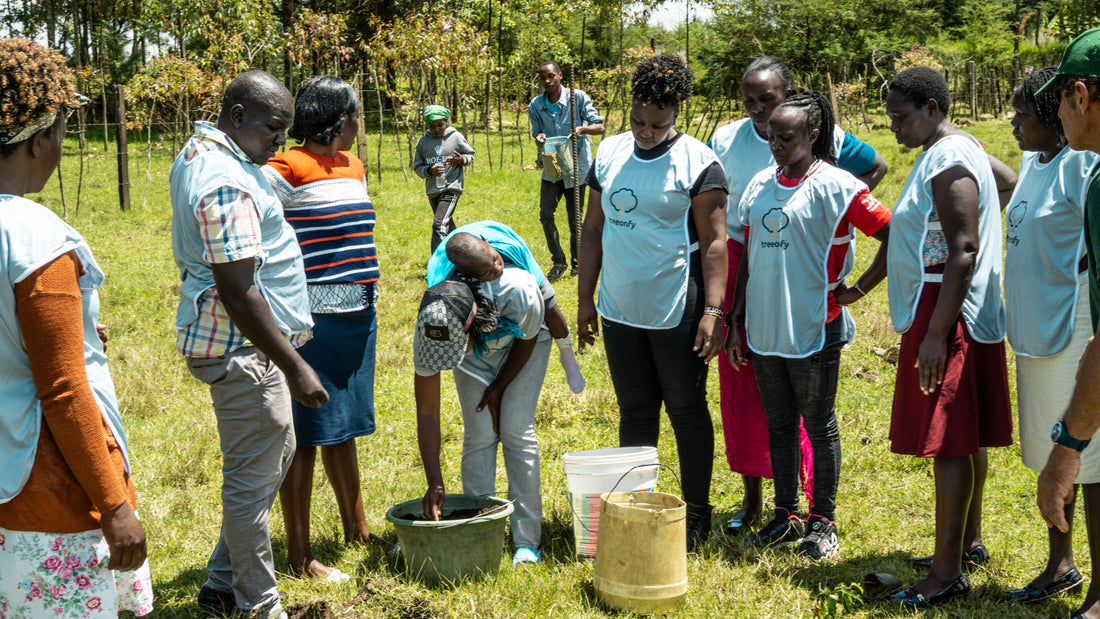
(553,119)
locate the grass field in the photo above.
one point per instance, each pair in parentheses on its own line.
(885,501)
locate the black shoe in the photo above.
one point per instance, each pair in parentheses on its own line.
(820,542)
(698,524)
(784,529)
(1066,583)
(216,601)
(958,588)
(742,521)
(978,555)
(556,272)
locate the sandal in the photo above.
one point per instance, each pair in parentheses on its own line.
(556,272)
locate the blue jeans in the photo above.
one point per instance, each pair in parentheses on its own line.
(793,389)
(653,366)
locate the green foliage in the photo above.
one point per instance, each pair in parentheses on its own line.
(831,601)
(168,88)
(318,39)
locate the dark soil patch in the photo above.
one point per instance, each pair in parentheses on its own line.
(458,514)
(313,610)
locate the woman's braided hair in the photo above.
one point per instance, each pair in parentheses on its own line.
(34,82)
(663,80)
(1046,104)
(818,113)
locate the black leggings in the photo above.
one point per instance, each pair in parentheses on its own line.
(654,366)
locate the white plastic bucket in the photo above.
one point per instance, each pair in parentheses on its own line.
(595,472)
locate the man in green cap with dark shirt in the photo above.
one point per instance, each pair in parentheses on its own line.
(1078,89)
(440,155)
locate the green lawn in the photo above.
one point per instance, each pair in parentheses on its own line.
(885,501)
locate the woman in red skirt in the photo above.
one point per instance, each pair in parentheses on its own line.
(951,397)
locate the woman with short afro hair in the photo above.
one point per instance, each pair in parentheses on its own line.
(657,246)
(951,397)
(71,544)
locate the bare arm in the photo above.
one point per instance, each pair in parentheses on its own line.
(1006,180)
(955,193)
(735,346)
(518,355)
(588,324)
(250,313)
(1081,421)
(878,170)
(708,210)
(426,392)
(875,273)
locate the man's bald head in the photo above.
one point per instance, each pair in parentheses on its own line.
(256,112)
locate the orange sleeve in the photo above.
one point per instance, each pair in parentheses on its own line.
(48,304)
(281,164)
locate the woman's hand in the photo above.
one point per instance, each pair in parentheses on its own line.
(491,398)
(588,323)
(735,348)
(847,295)
(931,362)
(708,337)
(125,537)
(433,502)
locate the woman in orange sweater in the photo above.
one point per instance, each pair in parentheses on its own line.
(70,541)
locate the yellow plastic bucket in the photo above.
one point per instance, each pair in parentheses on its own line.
(641,560)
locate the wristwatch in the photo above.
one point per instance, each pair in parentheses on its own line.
(731,318)
(1059,435)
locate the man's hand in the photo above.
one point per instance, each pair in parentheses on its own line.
(125,537)
(305,386)
(433,502)
(437,169)
(1056,485)
(540,138)
(455,160)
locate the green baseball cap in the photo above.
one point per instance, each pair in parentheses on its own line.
(1082,57)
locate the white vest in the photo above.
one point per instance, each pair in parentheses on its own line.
(791,234)
(1044,241)
(646,241)
(32,236)
(982,309)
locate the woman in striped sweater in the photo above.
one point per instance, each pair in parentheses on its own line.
(323,189)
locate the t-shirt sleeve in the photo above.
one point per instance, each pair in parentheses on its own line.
(592,182)
(856,156)
(712,177)
(229,226)
(520,299)
(867,214)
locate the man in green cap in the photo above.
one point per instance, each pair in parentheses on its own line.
(1078,89)
(440,155)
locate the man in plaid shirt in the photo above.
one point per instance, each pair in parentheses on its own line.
(243,311)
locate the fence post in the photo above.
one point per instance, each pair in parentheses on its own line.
(123,159)
(973,90)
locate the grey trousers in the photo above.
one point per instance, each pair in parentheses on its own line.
(256,432)
(516,438)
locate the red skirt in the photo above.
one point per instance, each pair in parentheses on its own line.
(969,411)
(744,421)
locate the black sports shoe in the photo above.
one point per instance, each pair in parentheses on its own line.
(784,529)
(820,542)
(217,602)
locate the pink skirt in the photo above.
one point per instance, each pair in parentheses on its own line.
(969,411)
(744,422)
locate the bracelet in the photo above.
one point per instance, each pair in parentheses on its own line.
(731,318)
(714,311)
(859,290)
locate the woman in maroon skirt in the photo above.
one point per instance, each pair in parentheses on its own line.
(951,397)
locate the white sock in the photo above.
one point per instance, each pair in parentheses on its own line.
(573,374)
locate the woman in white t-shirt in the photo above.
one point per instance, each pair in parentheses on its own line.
(1047,305)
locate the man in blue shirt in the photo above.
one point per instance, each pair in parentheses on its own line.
(550,115)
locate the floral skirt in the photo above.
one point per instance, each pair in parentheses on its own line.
(66,575)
